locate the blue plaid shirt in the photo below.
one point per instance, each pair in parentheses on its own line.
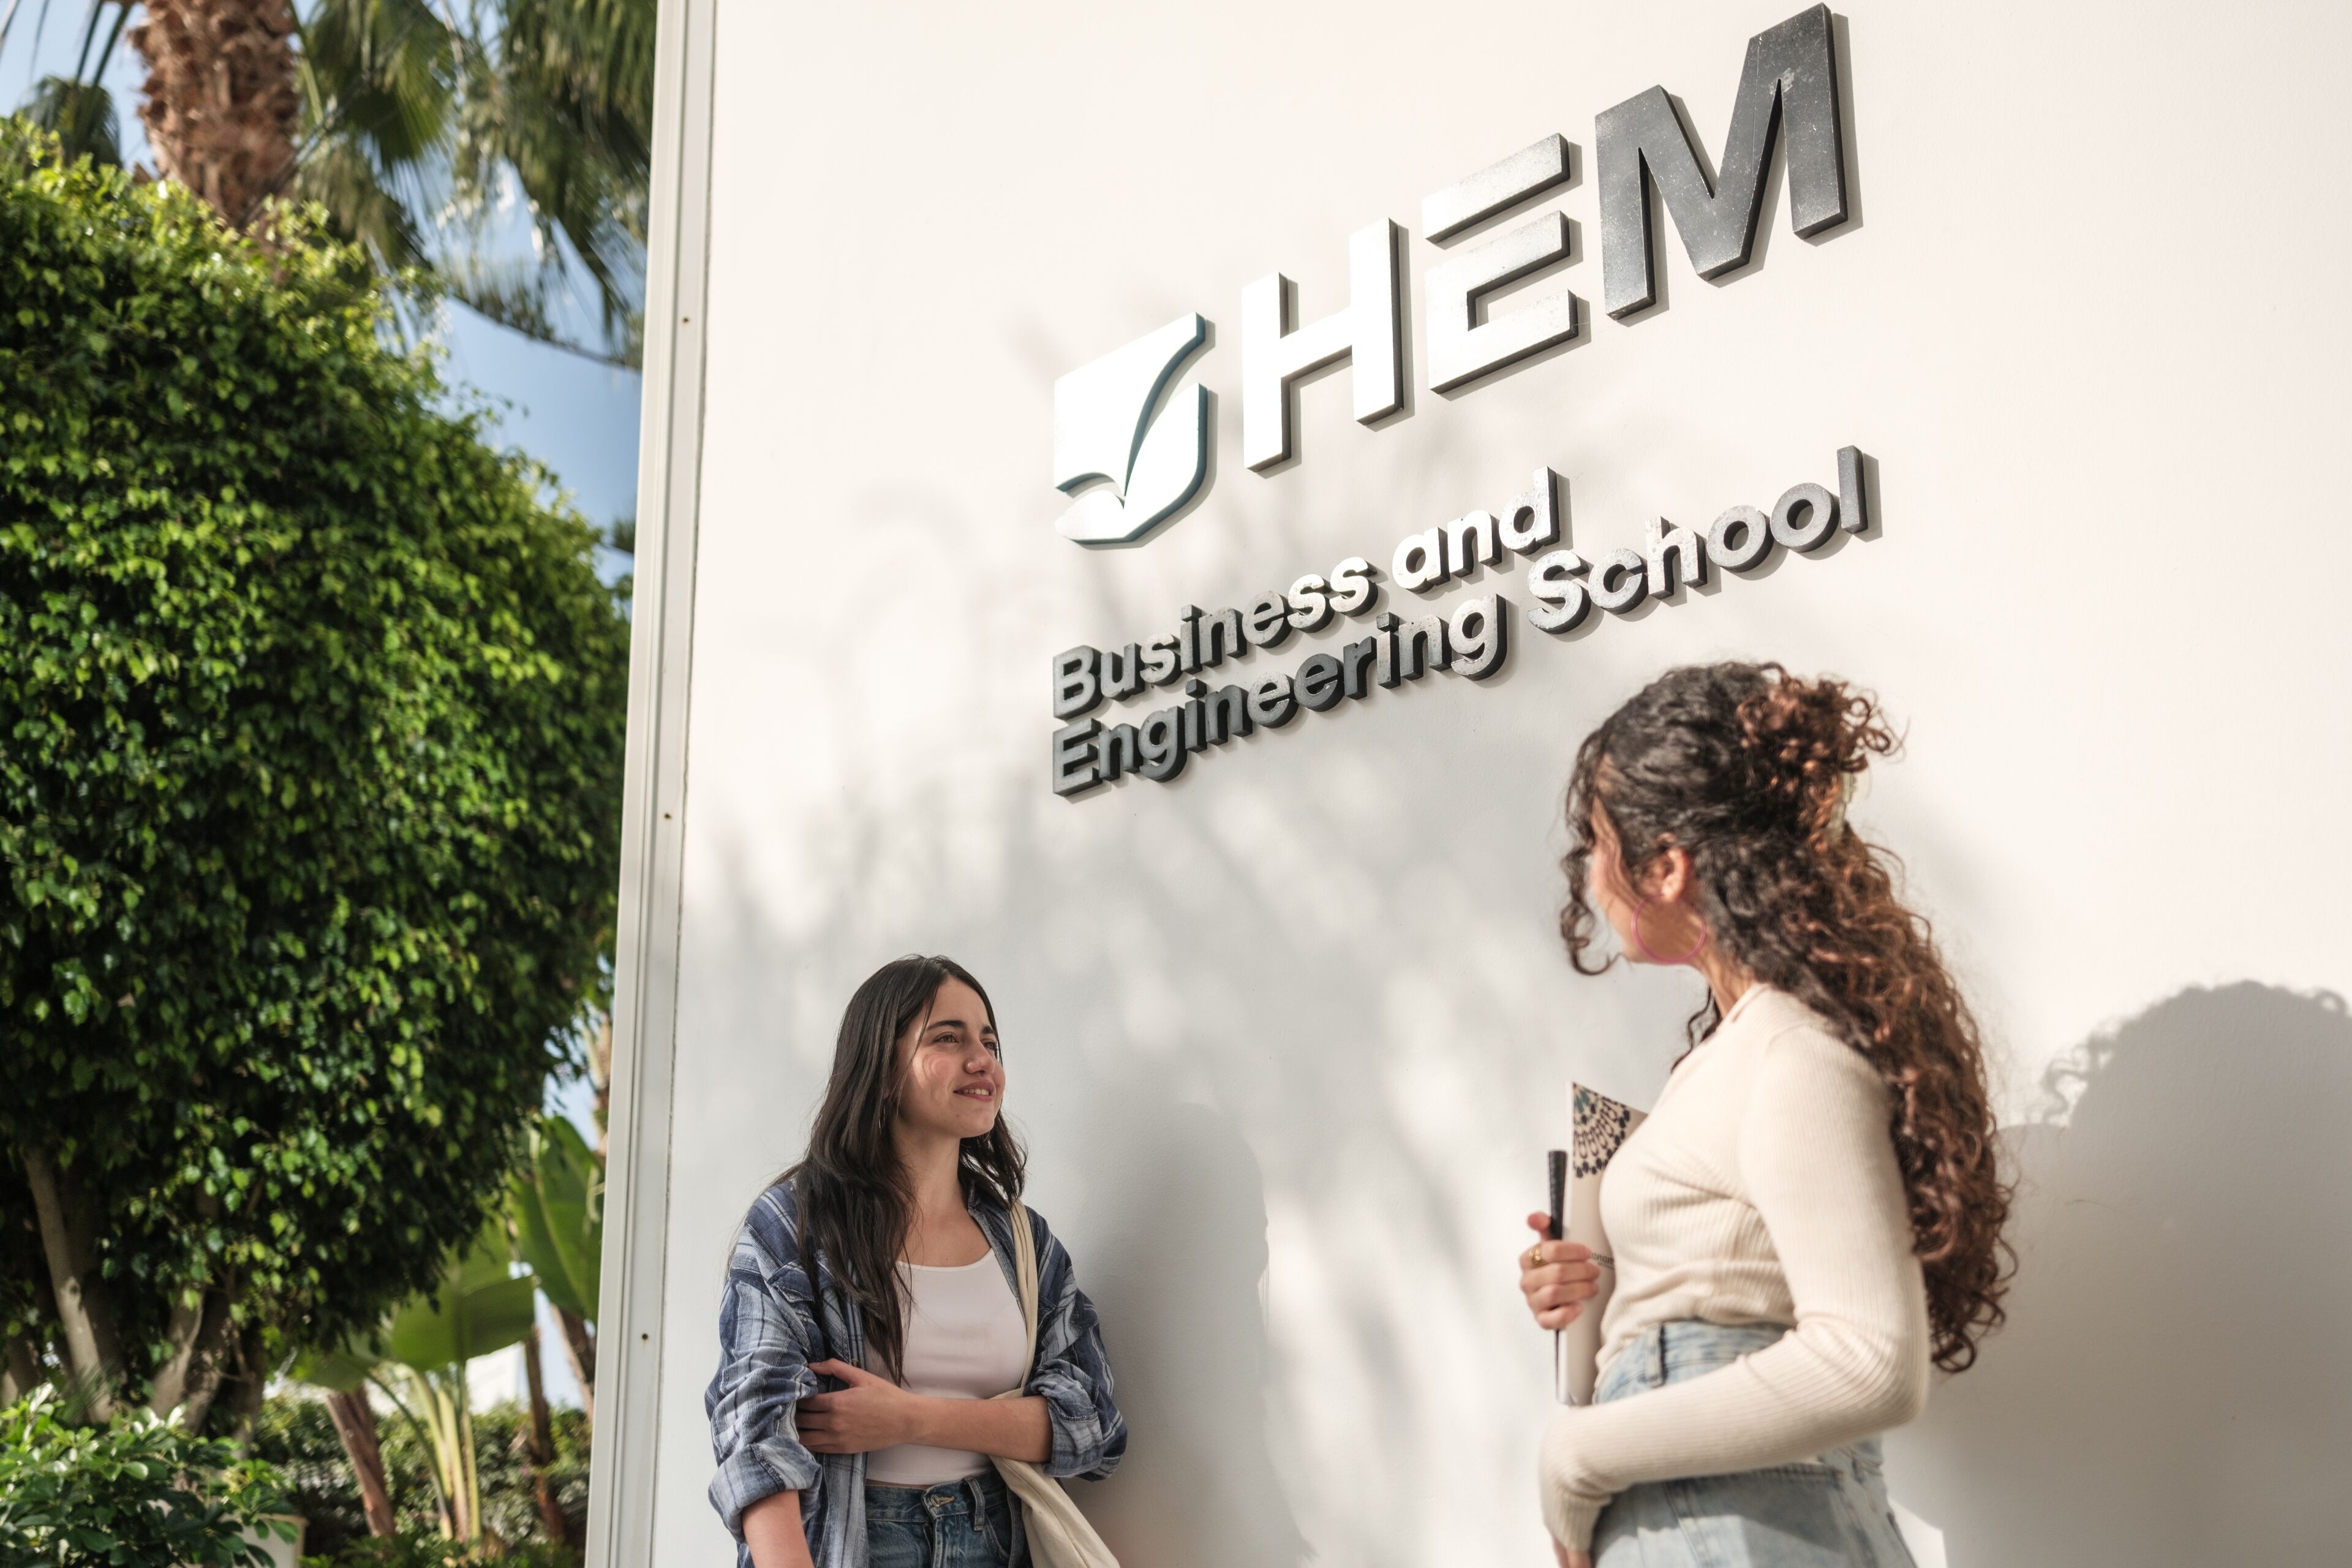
(767,1337)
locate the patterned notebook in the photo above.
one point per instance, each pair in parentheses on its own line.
(1598,1126)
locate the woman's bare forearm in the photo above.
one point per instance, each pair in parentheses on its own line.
(1008,1429)
(771,1529)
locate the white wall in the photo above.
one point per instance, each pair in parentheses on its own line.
(1287,1036)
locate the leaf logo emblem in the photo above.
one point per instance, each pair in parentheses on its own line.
(1142,457)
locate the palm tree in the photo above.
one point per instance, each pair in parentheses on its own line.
(219,102)
(421,130)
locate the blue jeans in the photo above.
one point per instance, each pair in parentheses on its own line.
(956,1524)
(1825,1512)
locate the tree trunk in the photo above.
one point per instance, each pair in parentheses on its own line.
(219,103)
(600,1074)
(355,1424)
(243,1390)
(206,1365)
(92,1353)
(184,1333)
(24,1371)
(542,1446)
(580,1345)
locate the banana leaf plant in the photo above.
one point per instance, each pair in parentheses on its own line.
(557,1199)
(417,1359)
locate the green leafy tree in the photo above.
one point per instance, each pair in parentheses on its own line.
(136,1493)
(310,787)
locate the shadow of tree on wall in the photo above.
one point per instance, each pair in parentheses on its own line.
(1191,1368)
(2174,1385)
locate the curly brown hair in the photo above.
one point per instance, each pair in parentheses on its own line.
(1748,769)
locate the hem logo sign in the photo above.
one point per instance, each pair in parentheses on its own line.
(1146,460)
(1109,424)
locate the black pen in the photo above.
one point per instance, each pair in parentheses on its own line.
(1557,1161)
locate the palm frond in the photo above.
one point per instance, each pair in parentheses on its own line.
(384,73)
(570,113)
(526,298)
(361,201)
(427,142)
(82,116)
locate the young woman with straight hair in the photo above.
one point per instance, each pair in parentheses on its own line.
(1812,1215)
(885,1264)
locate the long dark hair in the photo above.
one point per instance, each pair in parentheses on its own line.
(1747,769)
(855,1201)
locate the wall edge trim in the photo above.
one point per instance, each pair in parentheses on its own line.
(623,1468)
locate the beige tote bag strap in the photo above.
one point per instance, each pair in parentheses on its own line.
(1058,1534)
(1024,1269)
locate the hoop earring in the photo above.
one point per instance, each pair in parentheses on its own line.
(1653,954)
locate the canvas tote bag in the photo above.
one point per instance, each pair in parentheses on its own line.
(1058,1534)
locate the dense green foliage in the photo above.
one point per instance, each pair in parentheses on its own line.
(136,1493)
(294,1434)
(310,727)
(417,1548)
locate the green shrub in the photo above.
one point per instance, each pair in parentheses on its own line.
(311,713)
(416,1549)
(296,1436)
(136,1493)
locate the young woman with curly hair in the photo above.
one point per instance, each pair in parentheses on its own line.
(1811,1216)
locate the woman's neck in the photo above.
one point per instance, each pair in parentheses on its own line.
(1727,980)
(940,1232)
(933,1164)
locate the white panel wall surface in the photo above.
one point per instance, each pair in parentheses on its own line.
(1288,1034)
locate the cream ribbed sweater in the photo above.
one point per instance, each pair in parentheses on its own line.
(1763,1189)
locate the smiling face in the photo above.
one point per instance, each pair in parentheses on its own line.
(953,1083)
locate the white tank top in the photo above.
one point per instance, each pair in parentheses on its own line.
(965,1339)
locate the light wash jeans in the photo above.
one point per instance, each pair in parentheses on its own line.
(957,1524)
(1825,1512)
